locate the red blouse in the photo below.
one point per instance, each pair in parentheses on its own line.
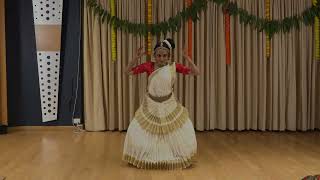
(148,67)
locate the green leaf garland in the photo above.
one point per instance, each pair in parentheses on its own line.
(173,24)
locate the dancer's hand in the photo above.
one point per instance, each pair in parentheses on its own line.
(186,56)
(133,62)
(139,53)
(194,69)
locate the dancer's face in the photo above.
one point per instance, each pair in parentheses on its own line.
(162,56)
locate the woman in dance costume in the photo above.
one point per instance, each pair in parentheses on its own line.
(161,134)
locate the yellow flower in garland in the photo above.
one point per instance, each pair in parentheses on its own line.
(113,33)
(316,33)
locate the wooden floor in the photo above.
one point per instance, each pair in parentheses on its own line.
(49,153)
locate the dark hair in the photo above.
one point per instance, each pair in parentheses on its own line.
(163,44)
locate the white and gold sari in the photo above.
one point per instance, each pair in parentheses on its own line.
(161,135)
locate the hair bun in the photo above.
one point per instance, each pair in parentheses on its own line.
(171,42)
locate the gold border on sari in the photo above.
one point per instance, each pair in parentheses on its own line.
(184,162)
(161,125)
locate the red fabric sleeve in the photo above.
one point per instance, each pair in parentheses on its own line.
(182,69)
(141,68)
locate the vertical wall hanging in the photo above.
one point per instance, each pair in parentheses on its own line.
(47,15)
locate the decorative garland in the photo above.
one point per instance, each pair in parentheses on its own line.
(173,24)
(189,3)
(268,39)
(149,22)
(113,33)
(317,33)
(227,35)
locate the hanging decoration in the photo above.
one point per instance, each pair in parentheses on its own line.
(227,35)
(113,32)
(268,38)
(47,18)
(189,3)
(149,22)
(173,24)
(317,33)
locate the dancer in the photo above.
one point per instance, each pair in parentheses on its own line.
(161,134)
